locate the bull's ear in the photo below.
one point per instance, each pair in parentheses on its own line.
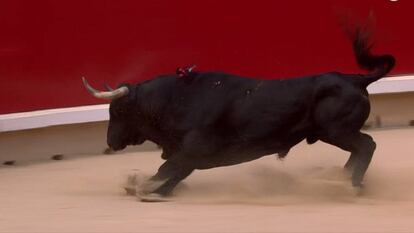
(109,95)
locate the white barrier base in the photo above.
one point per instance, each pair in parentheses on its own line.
(96,113)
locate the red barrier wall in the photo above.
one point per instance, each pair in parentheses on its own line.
(47,45)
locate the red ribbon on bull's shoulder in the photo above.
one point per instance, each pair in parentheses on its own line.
(183,72)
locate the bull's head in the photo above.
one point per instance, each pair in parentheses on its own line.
(122,129)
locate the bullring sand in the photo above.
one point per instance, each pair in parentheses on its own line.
(307,192)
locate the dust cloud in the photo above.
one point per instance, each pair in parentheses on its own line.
(306,177)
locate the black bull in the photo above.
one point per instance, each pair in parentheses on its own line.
(212,119)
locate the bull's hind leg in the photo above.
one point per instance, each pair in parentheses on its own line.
(362,148)
(340,114)
(365,151)
(350,164)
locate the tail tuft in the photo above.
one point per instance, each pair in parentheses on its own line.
(377,65)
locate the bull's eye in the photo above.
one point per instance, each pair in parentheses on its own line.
(120,111)
(117,112)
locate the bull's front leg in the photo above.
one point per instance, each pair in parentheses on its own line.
(196,146)
(166,179)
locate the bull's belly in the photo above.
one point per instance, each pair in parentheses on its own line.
(237,154)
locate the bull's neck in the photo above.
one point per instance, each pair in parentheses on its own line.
(152,102)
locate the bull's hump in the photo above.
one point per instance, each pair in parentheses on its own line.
(217,81)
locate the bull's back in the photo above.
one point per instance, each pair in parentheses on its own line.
(248,116)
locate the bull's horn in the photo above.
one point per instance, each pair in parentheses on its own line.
(109,95)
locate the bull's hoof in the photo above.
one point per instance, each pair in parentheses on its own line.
(138,184)
(108,151)
(153,197)
(148,187)
(358,190)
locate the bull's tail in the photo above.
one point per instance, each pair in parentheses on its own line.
(377,65)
